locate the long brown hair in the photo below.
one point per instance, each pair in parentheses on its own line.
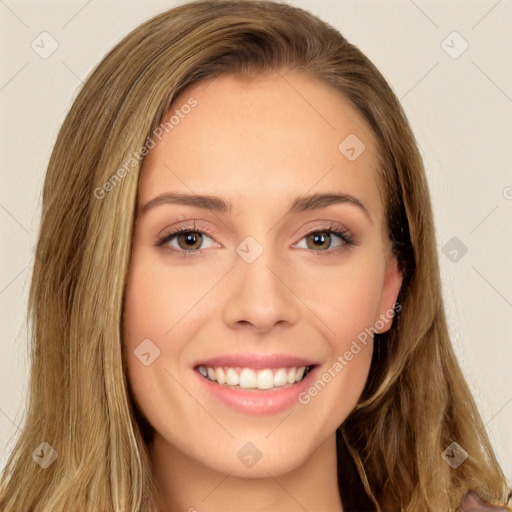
(416,401)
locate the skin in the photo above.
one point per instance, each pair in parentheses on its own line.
(258,143)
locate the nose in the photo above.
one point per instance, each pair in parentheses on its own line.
(260,295)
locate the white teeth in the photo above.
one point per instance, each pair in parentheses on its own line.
(300,373)
(248,378)
(219,375)
(265,379)
(281,377)
(232,377)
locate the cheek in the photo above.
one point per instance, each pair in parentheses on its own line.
(158,299)
(163,312)
(348,320)
(345,297)
(151,309)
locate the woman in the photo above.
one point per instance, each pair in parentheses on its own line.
(195,344)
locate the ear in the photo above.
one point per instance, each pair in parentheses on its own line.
(390,289)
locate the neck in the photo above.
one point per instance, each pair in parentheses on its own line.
(185,484)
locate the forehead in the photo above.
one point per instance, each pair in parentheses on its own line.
(264,138)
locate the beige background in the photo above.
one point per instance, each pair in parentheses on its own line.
(460,110)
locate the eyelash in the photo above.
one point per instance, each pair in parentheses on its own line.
(333,229)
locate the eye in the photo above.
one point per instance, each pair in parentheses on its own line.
(185,240)
(320,240)
(189,241)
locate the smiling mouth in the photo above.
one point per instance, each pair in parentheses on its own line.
(254,379)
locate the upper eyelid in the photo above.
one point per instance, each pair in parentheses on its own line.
(333,226)
(330,225)
(186,227)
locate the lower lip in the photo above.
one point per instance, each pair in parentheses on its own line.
(258,402)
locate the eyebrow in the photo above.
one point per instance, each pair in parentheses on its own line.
(215,203)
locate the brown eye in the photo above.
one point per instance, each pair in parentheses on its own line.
(191,240)
(319,240)
(186,241)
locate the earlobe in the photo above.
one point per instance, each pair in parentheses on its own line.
(390,289)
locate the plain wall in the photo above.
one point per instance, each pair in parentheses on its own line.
(459,106)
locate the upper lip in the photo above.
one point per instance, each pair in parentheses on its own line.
(256,361)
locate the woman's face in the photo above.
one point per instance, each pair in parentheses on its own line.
(273,274)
